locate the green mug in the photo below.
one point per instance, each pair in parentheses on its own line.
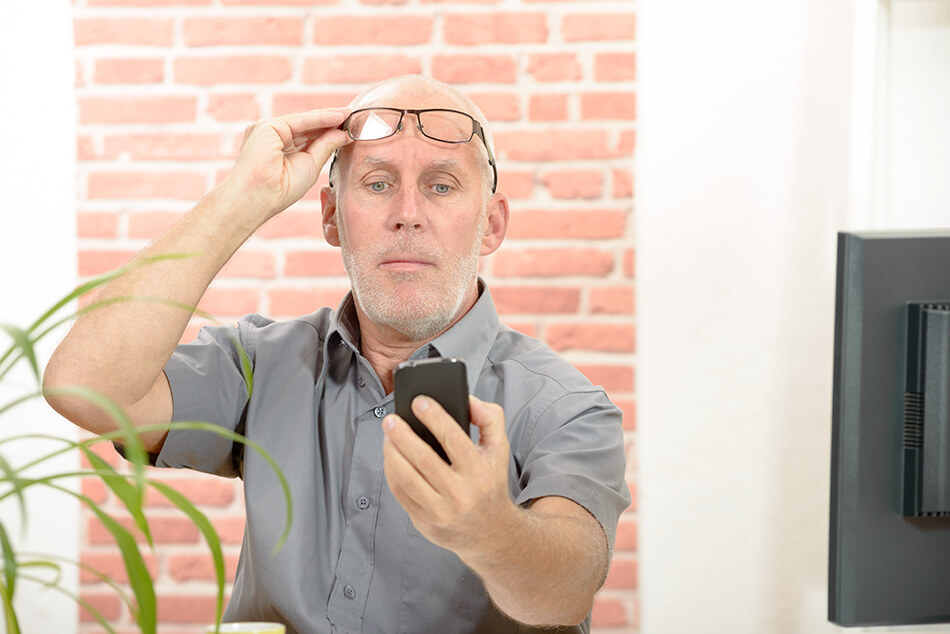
(248,628)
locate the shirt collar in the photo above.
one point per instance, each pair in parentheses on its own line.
(470,339)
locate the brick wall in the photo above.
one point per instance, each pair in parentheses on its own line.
(165,89)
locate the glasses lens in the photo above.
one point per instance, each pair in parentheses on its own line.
(447,125)
(370,125)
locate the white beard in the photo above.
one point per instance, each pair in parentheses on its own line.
(441,292)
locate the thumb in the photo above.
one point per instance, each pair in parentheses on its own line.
(490,419)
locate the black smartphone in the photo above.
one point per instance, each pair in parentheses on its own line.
(442,379)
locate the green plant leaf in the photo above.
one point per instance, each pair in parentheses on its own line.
(9,562)
(210,534)
(96,614)
(22,341)
(16,486)
(9,614)
(131,497)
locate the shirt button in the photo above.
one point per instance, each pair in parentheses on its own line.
(379,412)
(362,383)
(349,592)
(362,502)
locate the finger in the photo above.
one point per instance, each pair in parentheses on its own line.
(303,123)
(409,463)
(417,452)
(490,418)
(455,442)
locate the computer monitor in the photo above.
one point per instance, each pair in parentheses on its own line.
(889,549)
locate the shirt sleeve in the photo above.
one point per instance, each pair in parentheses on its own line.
(575,450)
(208,385)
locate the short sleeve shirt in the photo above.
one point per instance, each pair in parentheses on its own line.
(353,562)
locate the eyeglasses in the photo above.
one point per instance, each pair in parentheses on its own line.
(439,124)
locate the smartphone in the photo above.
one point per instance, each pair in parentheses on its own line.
(442,379)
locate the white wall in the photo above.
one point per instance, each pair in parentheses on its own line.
(37,264)
(747,166)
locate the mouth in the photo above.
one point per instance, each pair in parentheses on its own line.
(406,264)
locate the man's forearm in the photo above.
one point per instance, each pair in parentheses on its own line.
(545,563)
(120,347)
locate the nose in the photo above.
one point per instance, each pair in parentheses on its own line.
(407,213)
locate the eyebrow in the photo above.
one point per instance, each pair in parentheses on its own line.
(435,164)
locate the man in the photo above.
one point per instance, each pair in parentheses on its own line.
(517,531)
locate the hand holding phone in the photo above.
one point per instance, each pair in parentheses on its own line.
(442,379)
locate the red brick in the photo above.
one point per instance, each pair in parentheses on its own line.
(183,568)
(112,566)
(313,264)
(626,535)
(118,110)
(466,69)
(214,492)
(598,26)
(573,183)
(107,604)
(98,262)
(230,301)
(628,263)
(498,106)
(623,183)
(293,224)
(167,146)
(613,378)
(548,107)
(373,30)
(553,262)
(555,144)
(230,529)
(255,264)
(611,300)
(185,608)
(176,185)
(516,184)
(234,107)
(95,489)
(609,105)
(291,302)
(615,66)
(525,328)
(284,103)
(608,612)
(97,224)
(627,142)
(461,1)
(629,408)
(594,336)
(587,224)
(132,31)
(79,79)
(495,28)
(278,3)
(622,574)
(349,69)
(147,3)
(244,69)
(554,67)
(151,224)
(165,530)
(205,31)
(129,71)
(536,299)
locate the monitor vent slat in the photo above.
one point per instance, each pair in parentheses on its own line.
(913,420)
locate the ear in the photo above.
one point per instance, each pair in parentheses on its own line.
(328,202)
(497,224)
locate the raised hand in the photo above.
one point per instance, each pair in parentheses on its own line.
(281,158)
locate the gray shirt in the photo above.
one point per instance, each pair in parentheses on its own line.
(353,561)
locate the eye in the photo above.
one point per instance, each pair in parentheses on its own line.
(442,188)
(378,187)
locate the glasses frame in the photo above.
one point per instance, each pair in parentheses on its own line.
(477,129)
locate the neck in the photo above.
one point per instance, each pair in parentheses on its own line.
(385,347)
